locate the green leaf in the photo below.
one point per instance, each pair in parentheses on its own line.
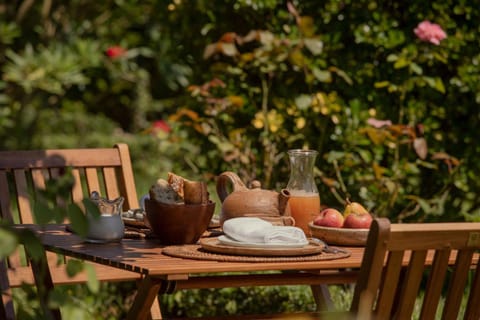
(415,68)
(439,86)
(401,63)
(392,57)
(314,45)
(43,214)
(335,155)
(382,84)
(322,75)
(78,220)
(92,281)
(9,242)
(33,245)
(303,101)
(74,267)
(91,208)
(342,74)
(426,207)
(306,25)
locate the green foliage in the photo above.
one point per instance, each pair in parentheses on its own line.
(324,77)
(235,84)
(245,300)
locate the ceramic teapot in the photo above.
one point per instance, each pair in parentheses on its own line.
(255,202)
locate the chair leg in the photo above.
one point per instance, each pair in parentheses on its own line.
(44,284)
(322,297)
(7,310)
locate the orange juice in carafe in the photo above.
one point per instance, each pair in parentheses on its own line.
(304,206)
(304,202)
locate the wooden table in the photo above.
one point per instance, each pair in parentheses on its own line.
(165,274)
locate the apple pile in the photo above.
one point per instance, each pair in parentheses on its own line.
(355,216)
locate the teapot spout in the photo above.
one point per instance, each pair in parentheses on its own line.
(283,197)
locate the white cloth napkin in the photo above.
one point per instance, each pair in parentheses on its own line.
(256,230)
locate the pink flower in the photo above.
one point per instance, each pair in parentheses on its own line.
(115,52)
(160,125)
(430,32)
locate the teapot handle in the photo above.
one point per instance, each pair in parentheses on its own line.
(229,177)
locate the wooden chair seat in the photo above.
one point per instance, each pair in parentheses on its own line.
(24,174)
(23,275)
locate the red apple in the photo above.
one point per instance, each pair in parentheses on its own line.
(329,218)
(358,221)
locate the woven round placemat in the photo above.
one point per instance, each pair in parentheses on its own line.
(193,251)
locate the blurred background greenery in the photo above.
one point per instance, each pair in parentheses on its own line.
(201,87)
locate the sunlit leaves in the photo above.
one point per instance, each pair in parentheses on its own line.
(420,146)
(236,101)
(377,136)
(51,69)
(300,122)
(314,45)
(273,120)
(303,101)
(306,25)
(381,84)
(322,75)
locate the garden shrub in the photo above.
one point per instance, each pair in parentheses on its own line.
(208,86)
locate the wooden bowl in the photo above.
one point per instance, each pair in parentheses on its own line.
(339,236)
(178,223)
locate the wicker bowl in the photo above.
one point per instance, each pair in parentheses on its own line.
(339,236)
(178,223)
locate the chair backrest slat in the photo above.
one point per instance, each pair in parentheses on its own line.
(125,176)
(23,197)
(77,193)
(434,284)
(38,178)
(443,254)
(111,188)
(473,309)
(414,275)
(389,284)
(92,179)
(457,284)
(5,205)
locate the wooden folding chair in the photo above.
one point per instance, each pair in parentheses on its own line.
(394,268)
(24,173)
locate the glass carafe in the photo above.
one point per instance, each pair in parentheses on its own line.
(106,206)
(304,199)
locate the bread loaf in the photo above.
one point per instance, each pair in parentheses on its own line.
(195,192)
(176,182)
(178,190)
(163,192)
